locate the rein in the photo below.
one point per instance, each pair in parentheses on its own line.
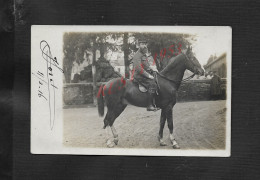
(188,78)
(183,80)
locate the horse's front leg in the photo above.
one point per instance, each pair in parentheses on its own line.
(170,126)
(162,123)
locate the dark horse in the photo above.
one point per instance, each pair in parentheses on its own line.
(119,92)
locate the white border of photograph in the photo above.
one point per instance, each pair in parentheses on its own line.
(46,140)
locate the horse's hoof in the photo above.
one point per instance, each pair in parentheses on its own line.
(162,143)
(176,146)
(110,144)
(116,141)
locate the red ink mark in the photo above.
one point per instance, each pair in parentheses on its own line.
(99,91)
(154,58)
(142,69)
(162,53)
(179,48)
(132,74)
(123,81)
(170,49)
(103,92)
(118,84)
(110,88)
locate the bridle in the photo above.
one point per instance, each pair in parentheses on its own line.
(188,59)
(183,80)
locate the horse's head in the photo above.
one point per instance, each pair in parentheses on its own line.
(192,62)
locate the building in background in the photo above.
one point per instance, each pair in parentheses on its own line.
(118,63)
(218,64)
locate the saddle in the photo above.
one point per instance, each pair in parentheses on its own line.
(143,88)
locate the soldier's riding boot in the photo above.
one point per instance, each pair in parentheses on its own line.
(150,106)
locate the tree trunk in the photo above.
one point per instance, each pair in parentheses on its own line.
(94,75)
(102,51)
(68,74)
(126,54)
(67,69)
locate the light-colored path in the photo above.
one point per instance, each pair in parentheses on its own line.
(197,125)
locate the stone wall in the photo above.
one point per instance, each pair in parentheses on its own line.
(193,90)
(78,93)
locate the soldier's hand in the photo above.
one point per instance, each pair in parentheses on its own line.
(153,68)
(151,77)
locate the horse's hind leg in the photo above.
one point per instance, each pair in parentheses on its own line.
(113,129)
(111,115)
(108,141)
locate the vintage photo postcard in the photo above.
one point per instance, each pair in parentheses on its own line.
(131,90)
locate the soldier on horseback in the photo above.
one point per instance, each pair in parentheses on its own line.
(143,73)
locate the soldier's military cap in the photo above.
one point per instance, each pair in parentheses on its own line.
(142,40)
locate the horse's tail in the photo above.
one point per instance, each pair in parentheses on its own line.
(100,101)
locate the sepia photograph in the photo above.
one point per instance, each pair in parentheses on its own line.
(131,90)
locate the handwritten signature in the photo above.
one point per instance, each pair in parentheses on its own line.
(48,80)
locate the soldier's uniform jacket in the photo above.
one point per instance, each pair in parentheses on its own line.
(140,65)
(141,69)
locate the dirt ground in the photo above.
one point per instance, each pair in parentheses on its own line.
(197,125)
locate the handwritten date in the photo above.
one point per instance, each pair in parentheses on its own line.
(47,80)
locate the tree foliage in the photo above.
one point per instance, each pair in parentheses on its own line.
(75,44)
(161,45)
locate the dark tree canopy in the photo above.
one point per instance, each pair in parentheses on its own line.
(165,45)
(162,46)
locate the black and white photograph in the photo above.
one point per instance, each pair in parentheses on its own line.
(123,89)
(131,90)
